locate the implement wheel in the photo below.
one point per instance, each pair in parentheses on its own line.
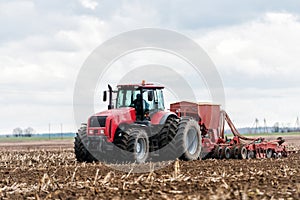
(227,152)
(250,154)
(218,152)
(269,153)
(242,152)
(236,151)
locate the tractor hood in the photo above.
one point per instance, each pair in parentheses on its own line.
(108,121)
(120,115)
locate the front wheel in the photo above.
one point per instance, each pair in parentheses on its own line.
(138,145)
(82,153)
(189,139)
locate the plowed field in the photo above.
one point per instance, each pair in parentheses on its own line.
(41,172)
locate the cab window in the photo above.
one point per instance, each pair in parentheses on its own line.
(160,99)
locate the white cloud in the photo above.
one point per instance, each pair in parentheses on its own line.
(91,4)
(259,64)
(267,47)
(39,71)
(16,8)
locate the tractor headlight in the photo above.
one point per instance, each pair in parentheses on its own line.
(91,132)
(102,131)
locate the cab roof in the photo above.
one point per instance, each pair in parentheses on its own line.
(142,85)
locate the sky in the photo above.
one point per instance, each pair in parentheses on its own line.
(254,45)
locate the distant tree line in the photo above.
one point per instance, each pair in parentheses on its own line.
(28,132)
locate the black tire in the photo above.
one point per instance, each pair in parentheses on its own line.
(242,152)
(120,154)
(138,145)
(269,153)
(250,155)
(80,146)
(216,152)
(220,152)
(279,155)
(284,154)
(166,141)
(188,139)
(236,151)
(227,152)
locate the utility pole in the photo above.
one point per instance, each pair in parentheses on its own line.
(297,125)
(265,126)
(49,130)
(61,131)
(256,125)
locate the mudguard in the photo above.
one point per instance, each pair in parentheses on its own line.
(161,117)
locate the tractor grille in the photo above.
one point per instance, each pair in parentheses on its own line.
(98,121)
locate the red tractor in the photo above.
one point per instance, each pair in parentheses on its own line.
(136,128)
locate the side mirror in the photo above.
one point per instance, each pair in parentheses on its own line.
(150,95)
(104,96)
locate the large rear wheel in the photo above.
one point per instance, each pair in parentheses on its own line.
(188,139)
(166,141)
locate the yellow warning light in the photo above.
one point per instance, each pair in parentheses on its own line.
(143,82)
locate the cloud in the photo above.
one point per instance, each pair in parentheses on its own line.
(54,59)
(259,65)
(262,50)
(38,71)
(91,4)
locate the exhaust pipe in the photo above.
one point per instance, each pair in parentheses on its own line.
(110,106)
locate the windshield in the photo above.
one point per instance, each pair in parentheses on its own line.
(127,97)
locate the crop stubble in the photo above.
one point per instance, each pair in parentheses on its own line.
(38,173)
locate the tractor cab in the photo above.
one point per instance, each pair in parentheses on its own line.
(146,99)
